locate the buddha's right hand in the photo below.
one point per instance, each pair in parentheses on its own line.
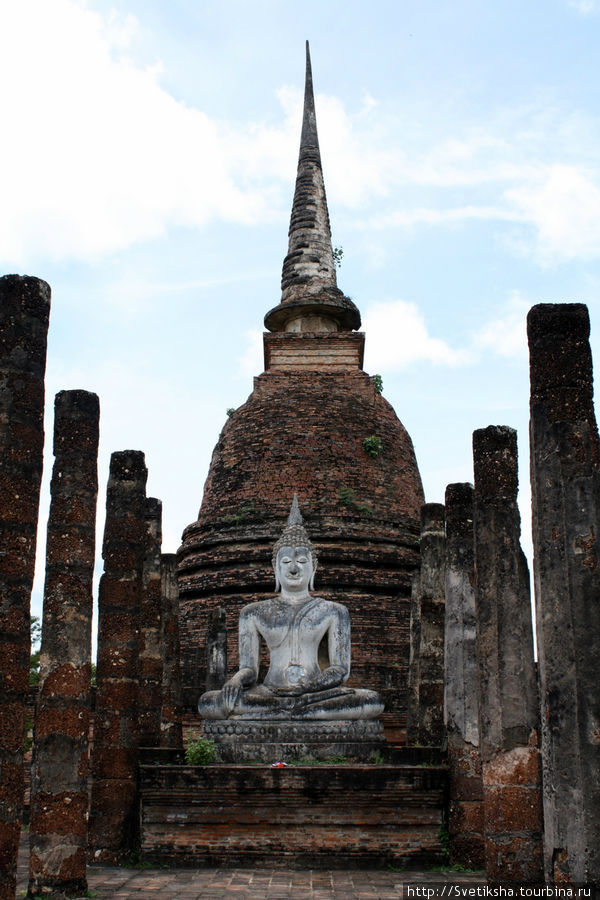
(231,692)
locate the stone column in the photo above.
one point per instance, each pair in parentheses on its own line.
(24,314)
(216,649)
(566,496)
(426,670)
(151,663)
(508,703)
(461,701)
(59,791)
(114,803)
(171,712)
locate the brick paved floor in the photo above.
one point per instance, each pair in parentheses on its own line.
(249,884)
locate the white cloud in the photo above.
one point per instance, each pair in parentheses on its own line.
(564,208)
(397,336)
(585,7)
(506,336)
(251,362)
(96,155)
(431,216)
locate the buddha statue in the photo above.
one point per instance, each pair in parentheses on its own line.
(293,625)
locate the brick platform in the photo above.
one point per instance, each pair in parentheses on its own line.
(253,884)
(319,816)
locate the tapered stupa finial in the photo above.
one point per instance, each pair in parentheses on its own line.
(310,298)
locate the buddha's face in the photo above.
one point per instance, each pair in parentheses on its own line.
(294,569)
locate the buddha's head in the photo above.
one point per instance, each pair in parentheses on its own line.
(294,557)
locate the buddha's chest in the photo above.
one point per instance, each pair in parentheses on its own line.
(296,635)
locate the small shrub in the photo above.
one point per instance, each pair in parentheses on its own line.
(372,445)
(28,741)
(338,253)
(346,495)
(444,836)
(200,753)
(230,411)
(378,384)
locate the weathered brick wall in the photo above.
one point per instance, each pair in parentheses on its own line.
(304,432)
(302,815)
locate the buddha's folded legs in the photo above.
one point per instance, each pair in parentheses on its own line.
(261,703)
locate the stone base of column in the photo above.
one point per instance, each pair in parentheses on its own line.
(465,819)
(63,855)
(115,827)
(513,816)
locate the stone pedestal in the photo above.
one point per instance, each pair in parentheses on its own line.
(269,740)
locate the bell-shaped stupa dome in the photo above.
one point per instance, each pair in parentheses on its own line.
(315,424)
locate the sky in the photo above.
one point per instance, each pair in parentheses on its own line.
(147,165)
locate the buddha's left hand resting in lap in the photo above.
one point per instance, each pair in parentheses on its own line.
(292,624)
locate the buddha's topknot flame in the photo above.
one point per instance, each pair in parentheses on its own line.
(295,534)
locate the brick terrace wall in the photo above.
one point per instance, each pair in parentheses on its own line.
(303,432)
(327,816)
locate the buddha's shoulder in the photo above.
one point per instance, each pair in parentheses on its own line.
(331,607)
(260,607)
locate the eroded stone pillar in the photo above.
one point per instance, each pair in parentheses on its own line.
(59,790)
(151,663)
(461,700)
(114,804)
(508,703)
(566,496)
(216,649)
(171,712)
(24,314)
(426,666)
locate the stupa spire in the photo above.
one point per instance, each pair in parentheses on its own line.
(310,298)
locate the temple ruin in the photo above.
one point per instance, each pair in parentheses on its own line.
(483,758)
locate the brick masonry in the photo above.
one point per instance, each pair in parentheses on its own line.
(461,706)
(24,314)
(313,816)
(565,482)
(59,784)
(508,702)
(151,659)
(171,710)
(114,799)
(304,432)
(427,615)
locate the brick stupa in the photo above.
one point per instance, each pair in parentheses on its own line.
(302,430)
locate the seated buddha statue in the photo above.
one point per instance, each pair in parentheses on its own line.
(292,624)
